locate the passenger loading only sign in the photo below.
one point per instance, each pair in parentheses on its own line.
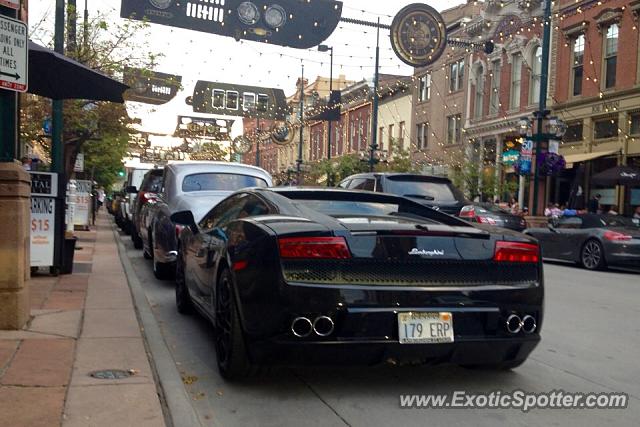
(14,54)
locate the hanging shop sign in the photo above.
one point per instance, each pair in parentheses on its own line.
(44,190)
(291,23)
(418,35)
(150,87)
(237,100)
(523,166)
(510,157)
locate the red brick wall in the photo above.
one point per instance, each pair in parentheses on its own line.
(627,61)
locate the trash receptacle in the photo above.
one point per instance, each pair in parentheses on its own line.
(69,250)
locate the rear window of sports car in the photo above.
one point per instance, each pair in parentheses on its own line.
(220,182)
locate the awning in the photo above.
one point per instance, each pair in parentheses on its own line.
(585,157)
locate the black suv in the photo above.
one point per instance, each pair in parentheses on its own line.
(438,193)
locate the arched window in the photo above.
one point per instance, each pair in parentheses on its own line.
(479,98)
(536,74)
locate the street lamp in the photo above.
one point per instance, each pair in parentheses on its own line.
(325,48)
(524,126)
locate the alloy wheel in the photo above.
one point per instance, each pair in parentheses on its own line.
(592,255)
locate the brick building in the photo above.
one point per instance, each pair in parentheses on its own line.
(439,99)
(597,92)
(503,87)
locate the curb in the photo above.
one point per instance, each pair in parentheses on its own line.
(171,388)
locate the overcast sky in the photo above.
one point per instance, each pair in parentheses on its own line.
(200,56)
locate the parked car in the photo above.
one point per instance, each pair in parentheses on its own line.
(487,213)
(593,241)
(328,276)
(193,186)
(437,193)
(134,179)
(147,193)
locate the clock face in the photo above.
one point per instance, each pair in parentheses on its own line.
(418,35)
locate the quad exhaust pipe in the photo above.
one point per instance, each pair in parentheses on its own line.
(526,324)
(322,326)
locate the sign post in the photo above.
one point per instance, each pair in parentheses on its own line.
(14,54)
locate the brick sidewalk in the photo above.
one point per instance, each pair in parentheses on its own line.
(79,323)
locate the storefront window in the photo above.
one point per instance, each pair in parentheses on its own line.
(574,132)
(635,124)
(607,128)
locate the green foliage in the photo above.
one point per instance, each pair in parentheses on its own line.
(401,161)
(103,158)
(99,129)
(482,183)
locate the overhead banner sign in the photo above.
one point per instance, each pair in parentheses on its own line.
(292,23)
(238,100)
(150,87)
(44,189)
(14,54)
(203,127)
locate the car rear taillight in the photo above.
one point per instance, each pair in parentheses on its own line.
(485,220)
(467,212)
(314,248)
(614,236)
(516,252)
(146,196)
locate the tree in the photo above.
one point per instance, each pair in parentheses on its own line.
(98,127)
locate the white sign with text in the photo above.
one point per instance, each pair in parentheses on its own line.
(14,54)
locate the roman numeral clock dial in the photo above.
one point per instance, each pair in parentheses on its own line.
(418,35)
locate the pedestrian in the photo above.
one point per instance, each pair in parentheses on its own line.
(636,213)
(594,204)
(548,212)
(101,197)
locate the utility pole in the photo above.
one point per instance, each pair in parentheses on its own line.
(542,107)
(301,116)
(376,100)
(57,145)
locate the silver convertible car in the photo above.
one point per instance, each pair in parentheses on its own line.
(593,241)
(196,187)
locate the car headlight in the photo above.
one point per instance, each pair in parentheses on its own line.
(248,13)
(275,16)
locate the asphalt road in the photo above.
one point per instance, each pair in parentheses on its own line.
(591,343)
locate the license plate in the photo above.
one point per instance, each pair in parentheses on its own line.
(425,328)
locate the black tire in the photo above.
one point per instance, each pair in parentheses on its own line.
(135,237)
(183,299)
(231,351)
(164,271)
(592,255)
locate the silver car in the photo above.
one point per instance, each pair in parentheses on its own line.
(196,187)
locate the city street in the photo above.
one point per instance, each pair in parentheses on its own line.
(589,344)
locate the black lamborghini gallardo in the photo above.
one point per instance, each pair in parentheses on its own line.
(298,276)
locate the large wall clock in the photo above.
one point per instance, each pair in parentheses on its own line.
(418,35)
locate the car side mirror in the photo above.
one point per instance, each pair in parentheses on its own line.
(131,189)
(185,218)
